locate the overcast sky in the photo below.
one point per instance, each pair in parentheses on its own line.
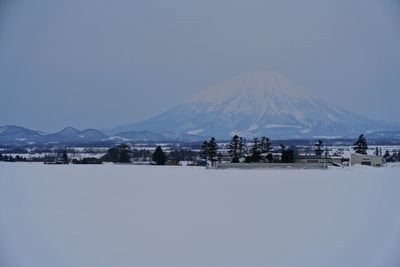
(101,63)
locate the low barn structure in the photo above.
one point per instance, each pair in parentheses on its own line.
(369,160)
(318,159)
(262,165)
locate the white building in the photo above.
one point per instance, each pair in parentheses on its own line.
(370,160)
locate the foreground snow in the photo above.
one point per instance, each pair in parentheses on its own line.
(116,215)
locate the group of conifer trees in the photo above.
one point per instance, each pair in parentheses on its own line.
(11,158)
(122,154)
(261,150)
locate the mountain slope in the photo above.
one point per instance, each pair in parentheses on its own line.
(263,103)
(70,134)
(11,133)
(142,136)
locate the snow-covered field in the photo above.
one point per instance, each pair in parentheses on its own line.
(125,215)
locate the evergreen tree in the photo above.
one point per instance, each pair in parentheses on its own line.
(242,147)
(111,155)
(387,154)
(266,145)
(159,156)
(123,151)
(64,157)
(288,156)
(319,148)
(120,153)
(219,157)
(209,150)
(205,150)
(256,150)
(11,159)
(182,154)
(361,145)
(213,150)
(234,149)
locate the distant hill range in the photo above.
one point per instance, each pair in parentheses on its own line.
(256,104)
(19,136)
(15,135)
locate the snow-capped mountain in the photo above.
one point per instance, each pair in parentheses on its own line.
(262,103)
(256,104)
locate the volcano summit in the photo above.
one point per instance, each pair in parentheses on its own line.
(255,104)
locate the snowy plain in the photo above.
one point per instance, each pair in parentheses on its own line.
(125,215)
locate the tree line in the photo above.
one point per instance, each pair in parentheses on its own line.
(260,150)
(122,153)
(9,158)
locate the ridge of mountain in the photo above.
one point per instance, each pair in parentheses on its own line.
(16,135)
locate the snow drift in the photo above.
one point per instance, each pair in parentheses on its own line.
(115,215)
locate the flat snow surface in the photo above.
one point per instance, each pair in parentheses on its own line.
(119,215)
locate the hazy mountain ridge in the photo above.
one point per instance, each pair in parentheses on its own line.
(70,134)
(19,134)
(16,135)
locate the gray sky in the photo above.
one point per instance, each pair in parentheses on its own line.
(100,63)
